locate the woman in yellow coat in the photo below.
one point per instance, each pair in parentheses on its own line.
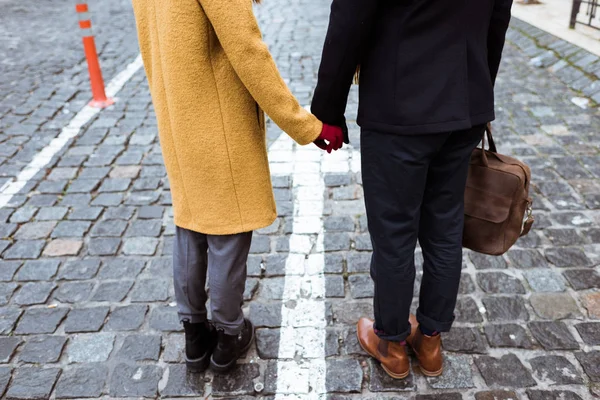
(211,76)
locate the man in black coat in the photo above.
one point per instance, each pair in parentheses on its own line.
(427,73)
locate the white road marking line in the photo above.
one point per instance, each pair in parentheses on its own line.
(301,365)
(43,158)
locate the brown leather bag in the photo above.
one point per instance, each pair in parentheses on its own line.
(498,209)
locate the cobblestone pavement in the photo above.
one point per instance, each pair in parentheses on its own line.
(86,299)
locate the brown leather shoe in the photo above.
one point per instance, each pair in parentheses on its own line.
(428,350)
(391,355)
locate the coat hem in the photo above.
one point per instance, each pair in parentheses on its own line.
(228,229)
(438,127)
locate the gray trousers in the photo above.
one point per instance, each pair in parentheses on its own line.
(224,258)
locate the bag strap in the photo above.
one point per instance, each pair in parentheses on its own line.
(490,138)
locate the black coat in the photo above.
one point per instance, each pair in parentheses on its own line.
(426,66)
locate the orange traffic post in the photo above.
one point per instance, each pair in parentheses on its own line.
(89,46)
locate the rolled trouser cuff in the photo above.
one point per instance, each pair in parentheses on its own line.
(433,324)
(192,318)
(401,337)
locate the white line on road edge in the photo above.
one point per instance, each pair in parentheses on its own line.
(301,365)
(43,158)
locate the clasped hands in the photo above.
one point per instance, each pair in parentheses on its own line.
(331,138)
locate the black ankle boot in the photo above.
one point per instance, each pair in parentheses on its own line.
(231,347)
(200,341)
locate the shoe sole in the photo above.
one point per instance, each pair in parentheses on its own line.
(198,365)
(387,371)
(431,374)
(227,367)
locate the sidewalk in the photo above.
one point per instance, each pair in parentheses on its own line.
(553,16)
(86,299)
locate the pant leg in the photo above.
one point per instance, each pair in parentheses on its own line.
(227,259)
(189,274)
(441,229)
(394,172)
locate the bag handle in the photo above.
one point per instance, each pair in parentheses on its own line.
(492,145)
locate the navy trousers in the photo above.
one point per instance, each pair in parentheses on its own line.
(414,190)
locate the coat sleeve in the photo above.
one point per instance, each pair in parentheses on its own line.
(497,34)
(237,30)
(349,29)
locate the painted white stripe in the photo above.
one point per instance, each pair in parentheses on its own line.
(43,158)
(301,366)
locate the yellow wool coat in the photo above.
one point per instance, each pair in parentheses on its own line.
(211,76)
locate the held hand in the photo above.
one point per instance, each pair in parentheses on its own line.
(331,138)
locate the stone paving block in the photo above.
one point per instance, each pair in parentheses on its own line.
(527,258)
(165,319)
(582,279)
(150,212)
(361,286)
(149,290)
(591,302)
(73,292)
(237,382)
(103,246)
(90,348)
(589,332)
(8,345)
(334,286)
(85,381)
(554,306)
(544,280)
(482,261)
(135,381)
(552,395)
(71,229)
(350,312)
(5,375)
(108,199)
(272,288)
(140,246)
(8,269)
(182,383)
(505,371)
(467,310)
(42,349)
(112,291)
(79,269)
(334,263)
(122,267)
(24,250)
(337,242)
(6,230)
(140,348)
(160,267)
(109,228)
(86,319)
(339,224)
(343,376)
(499,282)
(6,292)
(85,213)
(41,320)
(357,262)
(553,335)
(38,270)
(467,286)
(380,381)
(555,370)
(590,361)
(35,230)
(32,383)
(119,213)
(267,343)
(509,335)
(250,289)
(497,395)
(505,309)
(265,315)
(464,340)
(8,318)
(23,214)
(442,396)
(147,228)
(457,374)
(63,247)
(126,318)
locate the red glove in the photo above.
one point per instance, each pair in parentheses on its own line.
(331,138)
